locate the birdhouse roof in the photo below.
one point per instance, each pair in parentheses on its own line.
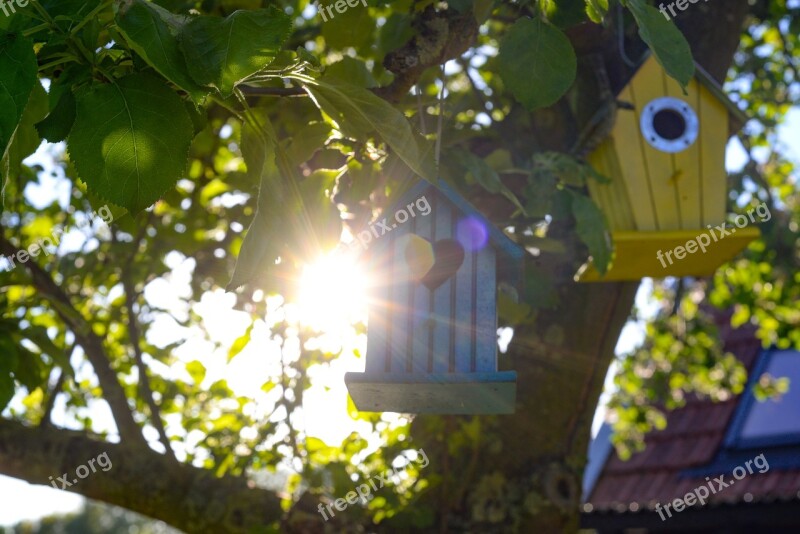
(738,117)
(510,255)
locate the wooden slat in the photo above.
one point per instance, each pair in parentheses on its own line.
(714,126)
(463,314)
(687,162)
(486,312)
(442,306)
(647,85)
(398,316)
(421,305)
(380,306)
(612,197)
(629,146)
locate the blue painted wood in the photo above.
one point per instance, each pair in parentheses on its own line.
(422,316)
(509,253)
(463,313)
(486,312)
(398,311)
(440,342)
(435,352)
(378,324)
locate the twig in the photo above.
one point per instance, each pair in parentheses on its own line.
(249,90)
(135,338)
(92,345)
(480,95)
(51,398)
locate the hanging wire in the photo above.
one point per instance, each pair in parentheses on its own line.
(420,111)
(438,149)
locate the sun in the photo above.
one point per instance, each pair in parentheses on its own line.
(332,293)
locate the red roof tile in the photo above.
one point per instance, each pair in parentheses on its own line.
(692,438)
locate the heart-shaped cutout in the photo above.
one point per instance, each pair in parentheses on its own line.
(433,264)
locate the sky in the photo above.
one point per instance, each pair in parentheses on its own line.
(23,501)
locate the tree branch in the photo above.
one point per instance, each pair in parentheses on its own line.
(249,90)
(51,398)
(144,379)
(440,36)
(92,345)
(131,296)
(141,480)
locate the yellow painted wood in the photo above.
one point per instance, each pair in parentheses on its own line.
(612,197)
(714,126)
(647,85)
(635,254)
(686,163)
(631,165)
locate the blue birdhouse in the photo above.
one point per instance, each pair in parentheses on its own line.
(432,338)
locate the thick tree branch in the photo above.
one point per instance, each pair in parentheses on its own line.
(92,345)
(141,480)
(440,36)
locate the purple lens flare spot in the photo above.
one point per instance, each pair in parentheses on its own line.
(472,233)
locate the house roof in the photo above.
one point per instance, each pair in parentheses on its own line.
(677,460)
(510,255)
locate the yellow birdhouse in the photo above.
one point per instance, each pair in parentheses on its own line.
(668,189)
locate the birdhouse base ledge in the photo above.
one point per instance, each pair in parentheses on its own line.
(636,254)
(445,393)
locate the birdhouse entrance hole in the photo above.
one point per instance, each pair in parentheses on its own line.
(669,124)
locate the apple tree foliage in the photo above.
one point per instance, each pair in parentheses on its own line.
(246,137)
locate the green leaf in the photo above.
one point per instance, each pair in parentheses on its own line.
(482,9)
(260,247)
(665,40)
(152,32)
(536,62)
(240,343)
(30,371)
(359,112)
(19,68)
(487,177)
(353,71)
(395,32)
(307,141)
(196,370)
(25,140)
(322,216)
(592,229)
(56,126)
(221,53)
(9,360)
(353,28)
(130,140)
(596,10)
